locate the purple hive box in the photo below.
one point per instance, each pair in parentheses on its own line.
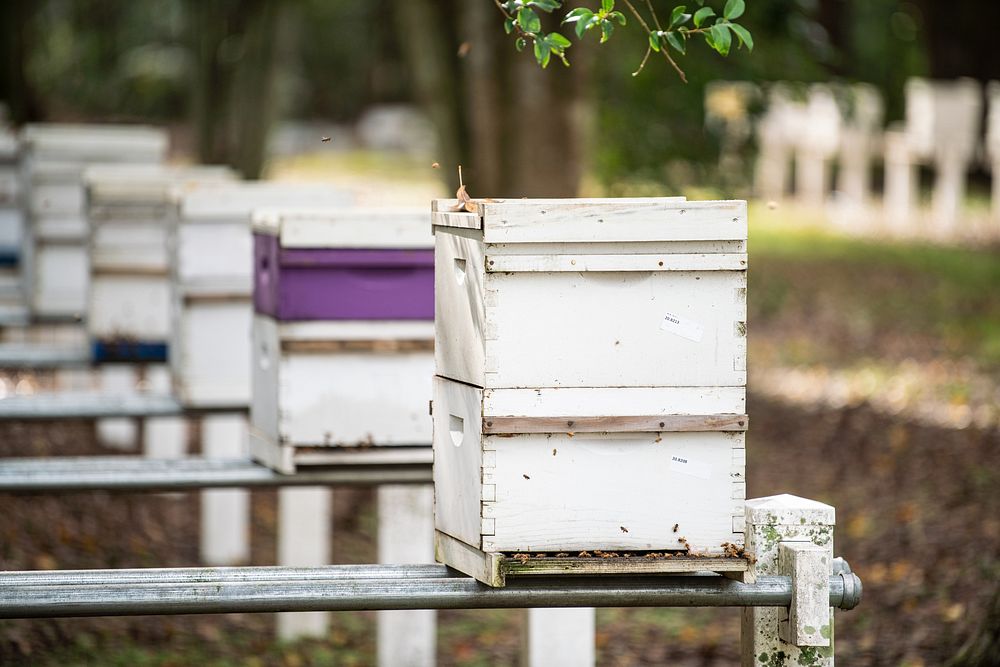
(342,283)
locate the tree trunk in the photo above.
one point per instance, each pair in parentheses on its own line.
(15,41)
(235,47)
(428,39)
(514,127)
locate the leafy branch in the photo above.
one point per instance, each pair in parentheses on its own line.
(720,31)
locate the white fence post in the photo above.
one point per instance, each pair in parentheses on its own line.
(225,513)
(900,181)
(405,536)
(118,432)
(162,437)
(791,536)
(305,524)
(561,637)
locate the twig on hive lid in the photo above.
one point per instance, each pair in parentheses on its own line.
(465,202)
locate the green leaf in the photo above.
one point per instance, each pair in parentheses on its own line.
(618,16)
(734,9)
(528,20)
(701,15)
(585,25)
(721,38)
(546,5)
(676,41)
(607,6)
(743,34)
(508,26)
(654,41)
(607,27)
(677,17)
(578,14)
(519,43)
(542,53)
(557,41)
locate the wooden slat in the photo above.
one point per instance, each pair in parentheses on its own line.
(333,346)
(456,219)
(527,221)
(220,296)
(130,271)
(618,424)
(635,565)
(621,262)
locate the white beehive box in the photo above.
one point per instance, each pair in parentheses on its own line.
(323,379)
(130,218)
(324,386)
(591,357)
(11,228)
(56,261)
(526,289)
(210,348)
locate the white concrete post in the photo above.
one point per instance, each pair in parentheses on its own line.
(774,154)
(816,144)
(993,146)
(858,142)
(561,637)
(791,536)
(305,524)
(118,432)
(949,193)
(900,182)
(406,535)
(162,437)
(225,513)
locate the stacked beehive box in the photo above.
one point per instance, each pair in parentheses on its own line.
(343,334)
(11,228)
(56,270)
(128,314)
(210,352)
(590,388)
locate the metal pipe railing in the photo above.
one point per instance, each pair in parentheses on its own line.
(88,405)
(368,587)
(121,473)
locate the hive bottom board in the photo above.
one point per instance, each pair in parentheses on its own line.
(493,569)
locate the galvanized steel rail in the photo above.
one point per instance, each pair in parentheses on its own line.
(129,473)
(15,356)
(89,405)
(368,587)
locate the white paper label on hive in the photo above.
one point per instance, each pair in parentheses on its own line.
(686,466)
(682,326)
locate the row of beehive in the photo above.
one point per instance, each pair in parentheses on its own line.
(590,355)
(590,366)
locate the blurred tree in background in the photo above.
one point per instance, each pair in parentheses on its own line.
(229,68)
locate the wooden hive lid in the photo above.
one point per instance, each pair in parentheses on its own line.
(598,220)
(345,227)
(236,202)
